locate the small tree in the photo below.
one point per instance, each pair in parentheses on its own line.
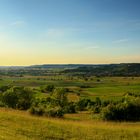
(9,98)
(82,104)
(98,101)
(18,97)
(60,96)
(47,88)
(4,88)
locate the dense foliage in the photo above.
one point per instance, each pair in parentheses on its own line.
(125,111)
(18,97)
(131,69)
(56,103)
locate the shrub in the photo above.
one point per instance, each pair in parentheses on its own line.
(10,99)
(98,80)
(18,97)
(47,88)
(96,109)
(4,88)
(98,101)
(54,112)
(48,111)
(106,103)
(70,108)
(2,104)
(82,104)
(85,86)
(37,110)
(126,111)
(60,97)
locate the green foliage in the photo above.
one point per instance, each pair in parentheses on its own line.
(4,88)
(37,110)
(126,111)
(133,94)
(54,112)
(57,98)
(10,99)
(96,109)
(98,101)
(60,96)
(130,69)
(52,106)
(88,104)
(47,88)
(48,111)
(82,104)
(84,86)
(70,108)
(18,97)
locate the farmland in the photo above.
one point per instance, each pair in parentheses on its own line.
(81,124)
(106,87)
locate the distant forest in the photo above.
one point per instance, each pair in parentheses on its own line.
(124,69)
(132,69)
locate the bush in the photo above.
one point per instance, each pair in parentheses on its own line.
(47,88)
(85,86)
(82,104)
(4,88)
(98,101)
(37,110)
(70,108)
(106,103)
(96,109)
(54,112)
(10,99)
(60,97)
(2,104)
(48,111)
(18,97)
(126,111)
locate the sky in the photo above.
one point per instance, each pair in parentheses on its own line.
(69,32)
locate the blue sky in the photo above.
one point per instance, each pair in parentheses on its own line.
(69,31)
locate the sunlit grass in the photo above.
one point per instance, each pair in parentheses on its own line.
(22,126)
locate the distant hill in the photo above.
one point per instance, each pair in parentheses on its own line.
(124,69)
(62,66)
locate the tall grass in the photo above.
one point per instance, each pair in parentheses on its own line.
(19,125)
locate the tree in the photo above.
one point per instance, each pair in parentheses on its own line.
(4,88)
(47,88)
(60,96)
(18,97)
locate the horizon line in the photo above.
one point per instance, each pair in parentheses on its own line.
(68,64)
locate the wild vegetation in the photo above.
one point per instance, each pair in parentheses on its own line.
(71,106)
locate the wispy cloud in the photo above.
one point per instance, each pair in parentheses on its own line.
(60,32)
(18,23)
(92,47)
(121,40)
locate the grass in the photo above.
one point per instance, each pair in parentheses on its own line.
(112,91)
(22,126)
(106,88)
(81,126)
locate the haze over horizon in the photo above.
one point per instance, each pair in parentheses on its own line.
(69,32)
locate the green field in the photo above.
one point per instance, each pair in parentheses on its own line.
(106,88)
(21,125)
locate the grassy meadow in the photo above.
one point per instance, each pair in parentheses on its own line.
(21,125)
(103,87)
